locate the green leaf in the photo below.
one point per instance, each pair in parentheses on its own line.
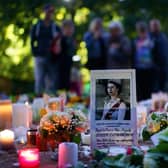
(80,165)
(99,155)
(156,160)
(154,116)
(114,162)
(161,148)
(164,132)
(136,160)
(76,138)
(145,134)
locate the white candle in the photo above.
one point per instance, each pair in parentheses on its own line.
(114,150)
(141,115)
(30,113)
(67,154)
(38,104)
(85,138)
(7,139)
(21,116)
(5,114)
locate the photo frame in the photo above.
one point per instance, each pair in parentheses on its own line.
(112,108)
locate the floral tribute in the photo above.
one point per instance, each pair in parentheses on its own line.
(156,122)
(63,126)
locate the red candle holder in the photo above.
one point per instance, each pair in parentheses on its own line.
(29,158)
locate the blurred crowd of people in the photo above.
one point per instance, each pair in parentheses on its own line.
(53,48)
(147,53)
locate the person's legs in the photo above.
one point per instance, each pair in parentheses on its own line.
(66,72)
(162,79)
(39,73)
(52,76)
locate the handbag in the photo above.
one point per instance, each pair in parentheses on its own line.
(56,47)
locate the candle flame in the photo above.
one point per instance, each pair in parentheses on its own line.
(29,155)
(26,103)
(22,141)
(7,134)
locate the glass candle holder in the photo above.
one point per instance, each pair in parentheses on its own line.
(31,137)
(29,158)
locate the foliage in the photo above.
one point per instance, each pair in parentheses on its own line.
(134,159)
(157,156)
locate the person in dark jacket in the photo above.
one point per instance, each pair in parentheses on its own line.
(68,45)
(95,44)
(144,62)
(160,53)
(119,47)
(42,35)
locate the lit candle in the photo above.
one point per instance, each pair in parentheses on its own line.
(54,104)
(7,139)
(67,154)
(5,114)
(21,116)
(29,158)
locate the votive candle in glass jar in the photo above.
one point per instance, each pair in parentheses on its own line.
(29,158)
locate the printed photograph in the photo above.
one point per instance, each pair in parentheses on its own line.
(112,100)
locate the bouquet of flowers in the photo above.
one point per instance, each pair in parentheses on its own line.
(156,122)
(63,126)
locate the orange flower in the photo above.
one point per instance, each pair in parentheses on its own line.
(56,118)
(75,99)
(80,129)
(64,121)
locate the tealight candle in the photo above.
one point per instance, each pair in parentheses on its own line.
(29,158)
(7,139)
(67,154)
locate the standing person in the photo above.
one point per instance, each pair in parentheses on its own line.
(119,47)
(160,52)
(42,35)
(144,62)
(68,45)
(76,79)
(95,44)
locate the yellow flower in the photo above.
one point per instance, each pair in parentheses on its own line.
(56,119)
(154,127)
(43,111)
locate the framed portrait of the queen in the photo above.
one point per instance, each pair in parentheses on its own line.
(112,109)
